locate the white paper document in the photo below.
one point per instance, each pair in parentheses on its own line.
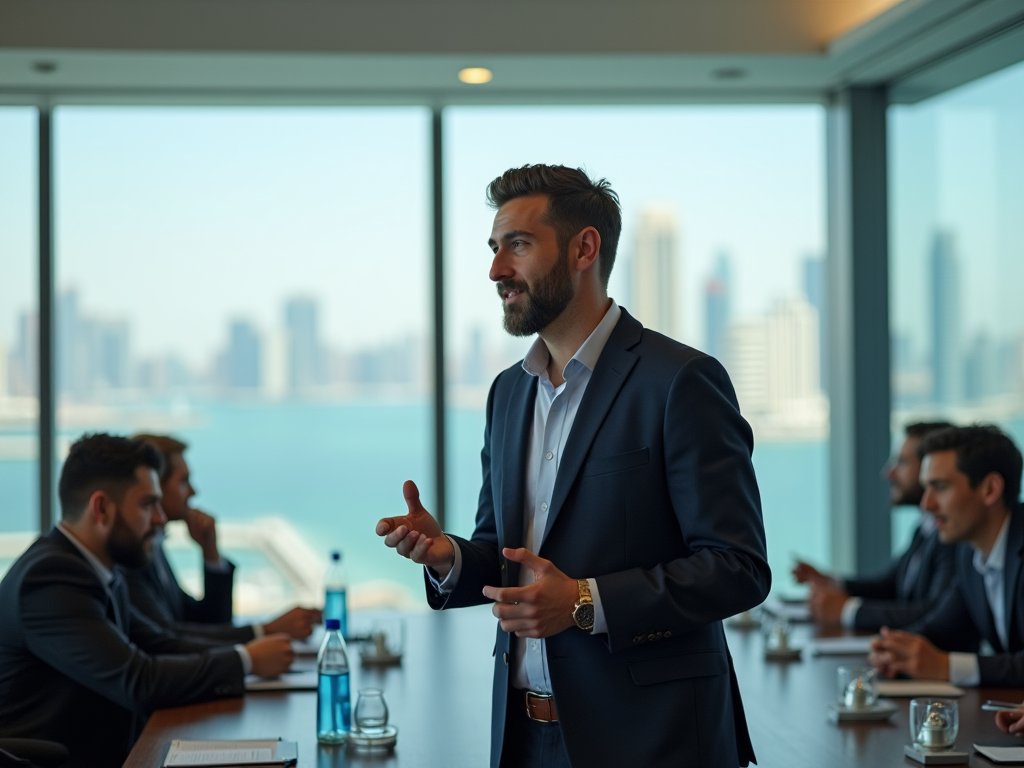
(840,646)
(1008,755)
(898,689)
(226,753)
(289,681)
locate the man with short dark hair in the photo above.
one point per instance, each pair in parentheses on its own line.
(972,479)
(619,520)
(154,589)
(913,583)
(77,664)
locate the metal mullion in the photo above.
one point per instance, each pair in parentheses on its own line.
(47,369)
(439,355)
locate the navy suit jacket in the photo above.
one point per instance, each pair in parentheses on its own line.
(656,498)
(164,602)
(80,667)
(893,600)
(963,619)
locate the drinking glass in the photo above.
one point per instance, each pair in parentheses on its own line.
(933,723)
(371,713)
(856,687)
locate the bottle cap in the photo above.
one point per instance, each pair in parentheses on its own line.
(333,624)
(335,555)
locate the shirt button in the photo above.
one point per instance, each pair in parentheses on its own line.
(535,645)
(549,455)
(504,657)
(543,506)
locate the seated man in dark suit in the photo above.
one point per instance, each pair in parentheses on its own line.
(77,664)
(155,591)
(913,583)
(972,484)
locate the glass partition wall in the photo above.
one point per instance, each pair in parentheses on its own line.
(957,256)
(256,283)
(19,407)
(722,248)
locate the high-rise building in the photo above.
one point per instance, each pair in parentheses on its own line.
(947,351)
(746,357)
(242,361)
(655,293)
(473,373)
(24,371)
(718,307)
(305,364)
(109,355)
(982,370)
(815,289)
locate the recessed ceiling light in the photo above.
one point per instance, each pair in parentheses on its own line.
(729,73)
(46,67)
(475,75)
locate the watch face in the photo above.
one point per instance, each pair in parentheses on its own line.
(584,616)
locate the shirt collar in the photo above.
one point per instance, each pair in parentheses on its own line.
(997,557)
(105,574)
(536,361)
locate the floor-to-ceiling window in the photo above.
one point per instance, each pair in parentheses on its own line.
(957,254)
(19,322)
(722,248)
(255,282)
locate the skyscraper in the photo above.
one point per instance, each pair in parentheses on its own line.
(109,355)
(305,367)
(655,298)
(947,351)
(243,358)
(718,307)
(815,289)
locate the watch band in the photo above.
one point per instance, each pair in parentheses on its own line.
(584,587)
(583,612)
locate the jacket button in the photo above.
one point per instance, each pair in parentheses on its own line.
(636,639)
(504,657)
(503,566)
(667,634)
(651,637)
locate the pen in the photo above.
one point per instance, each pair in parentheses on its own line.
(1000,706)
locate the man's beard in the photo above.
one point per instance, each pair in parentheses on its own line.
(536,309)
(909,497)
(125,548)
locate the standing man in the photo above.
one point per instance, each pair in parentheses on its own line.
(155,590)
(972,487)
(913,583)
(619,520)
(77,664)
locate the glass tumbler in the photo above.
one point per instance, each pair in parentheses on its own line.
(856,687)
(371,713)
(933,723)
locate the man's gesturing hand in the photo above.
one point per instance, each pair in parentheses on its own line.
(271,655)
(826,602)
(541,609)
(1011,722)
(297,623)
(417,535)
(896,652)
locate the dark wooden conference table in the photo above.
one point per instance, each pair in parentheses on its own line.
(440,700)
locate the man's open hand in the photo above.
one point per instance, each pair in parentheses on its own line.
(297,623)
(897,652)
(541,609)
(417,535)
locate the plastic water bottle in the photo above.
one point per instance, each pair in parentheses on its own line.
(333,702)
(335,605)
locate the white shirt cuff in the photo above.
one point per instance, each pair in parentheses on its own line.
(963,670)
(218,566)
(246,659)
(448,585)
(848,618)
(600,624)
(258,631)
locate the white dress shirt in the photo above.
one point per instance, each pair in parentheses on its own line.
(106,577)
(963,667)
(554,412)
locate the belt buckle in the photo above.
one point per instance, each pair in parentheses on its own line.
(547,697)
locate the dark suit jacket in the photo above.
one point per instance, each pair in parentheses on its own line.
(164,602)
(79,667)
(656,498)
(963,619)
(893,600)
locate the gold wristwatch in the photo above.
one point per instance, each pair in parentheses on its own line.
(583,613)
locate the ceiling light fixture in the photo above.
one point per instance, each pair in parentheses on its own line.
(475,75)
(45,67)
(729,73)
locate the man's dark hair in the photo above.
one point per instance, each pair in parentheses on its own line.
(102,462)
(168,447)
(921,428)
(574,203)
(980,450)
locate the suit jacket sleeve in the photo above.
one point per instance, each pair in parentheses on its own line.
(63,610)
(949,625)
(902,613)
(480,561)
(716,502)
(215,607)
(881,587)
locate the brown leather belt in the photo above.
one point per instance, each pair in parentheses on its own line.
(540,707)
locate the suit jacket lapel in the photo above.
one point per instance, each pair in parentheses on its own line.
(610,373)
(1011,572)
(518,422)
